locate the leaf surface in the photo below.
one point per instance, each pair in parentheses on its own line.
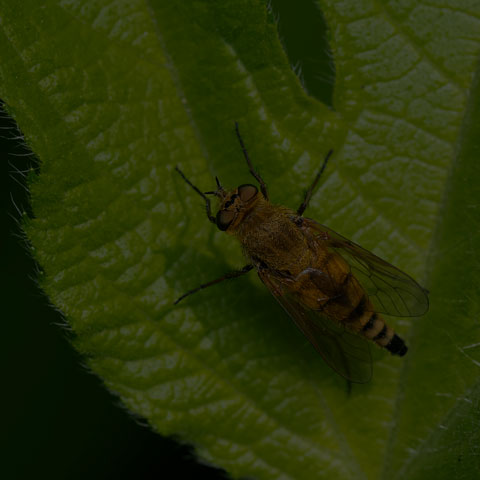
(112,95)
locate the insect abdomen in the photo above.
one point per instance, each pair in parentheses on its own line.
(332,288)
(371,325)
(359,313)
(377,330)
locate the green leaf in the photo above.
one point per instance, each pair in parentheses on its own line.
(112,95)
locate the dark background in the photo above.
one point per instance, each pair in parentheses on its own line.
(59,421)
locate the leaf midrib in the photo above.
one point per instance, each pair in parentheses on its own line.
(433,248)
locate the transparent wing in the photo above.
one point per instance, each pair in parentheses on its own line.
(345,352)
(392,291)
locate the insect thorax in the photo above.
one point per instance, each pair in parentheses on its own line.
(269,235)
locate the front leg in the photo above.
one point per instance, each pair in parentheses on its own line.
(309,193)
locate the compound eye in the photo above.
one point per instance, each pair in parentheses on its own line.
(247,192)
(224,219)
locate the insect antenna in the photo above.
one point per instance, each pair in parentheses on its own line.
(207,200)
(263,186)
(309,193)
(220,192)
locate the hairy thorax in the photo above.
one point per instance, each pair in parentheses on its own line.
(271,239)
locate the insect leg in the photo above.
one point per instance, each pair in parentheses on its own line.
(309,193)
(263,186)
(207,200)
(227,276)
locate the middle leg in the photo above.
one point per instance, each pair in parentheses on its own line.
(227,276)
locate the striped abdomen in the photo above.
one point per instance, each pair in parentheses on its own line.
(363,319)
(372,326)
(333,289)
